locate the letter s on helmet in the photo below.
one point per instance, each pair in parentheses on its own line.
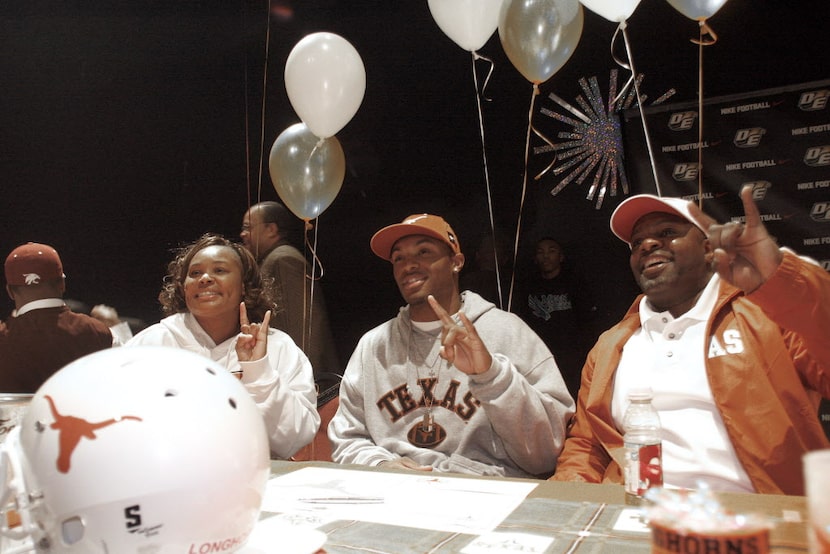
(135,449)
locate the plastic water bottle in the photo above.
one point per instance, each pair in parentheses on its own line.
(643,446)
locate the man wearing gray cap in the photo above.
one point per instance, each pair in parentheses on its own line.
(43,334)
(730,333)
(452,383)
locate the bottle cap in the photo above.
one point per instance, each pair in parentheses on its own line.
(640,393)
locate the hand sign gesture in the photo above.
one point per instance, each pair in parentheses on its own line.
(252,342)
(745,253)
(460,344)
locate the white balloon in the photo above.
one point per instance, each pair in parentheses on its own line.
(612,10)
(325,80)
(469,23)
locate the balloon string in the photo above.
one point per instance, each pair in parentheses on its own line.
(524,191)
(264,96)
(247,135)
(700,118)
(262,113)
(475,57)
(622,29)
(317,145)
(312,248)
(553,149)
(622,64)
(703,31)
(308,293)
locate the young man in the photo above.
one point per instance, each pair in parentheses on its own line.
(452,383)
(269,232)
(43,334)
(730,334)
(552,302)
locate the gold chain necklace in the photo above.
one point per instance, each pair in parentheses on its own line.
(434,368)
(428,421)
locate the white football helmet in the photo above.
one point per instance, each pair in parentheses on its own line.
(134,450)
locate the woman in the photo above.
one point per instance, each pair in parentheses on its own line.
(209,289)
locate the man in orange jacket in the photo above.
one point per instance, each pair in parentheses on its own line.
(730,334)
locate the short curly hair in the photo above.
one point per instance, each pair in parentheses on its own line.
(257,296)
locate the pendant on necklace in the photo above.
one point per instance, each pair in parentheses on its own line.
(427,422)
(426,433)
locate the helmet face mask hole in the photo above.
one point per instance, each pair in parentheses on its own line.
(232,402)
(169,393)
(210,370)
(72,530)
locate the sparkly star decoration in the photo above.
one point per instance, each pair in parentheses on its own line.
(593,145)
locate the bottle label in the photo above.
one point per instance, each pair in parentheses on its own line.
(643,467)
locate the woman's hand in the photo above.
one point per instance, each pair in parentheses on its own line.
(252,342)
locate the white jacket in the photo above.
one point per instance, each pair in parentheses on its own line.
(281,383)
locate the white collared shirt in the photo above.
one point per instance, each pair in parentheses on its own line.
(39,305)
(43,303)
(667,354)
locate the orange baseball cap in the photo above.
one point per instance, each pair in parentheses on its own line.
(418,224)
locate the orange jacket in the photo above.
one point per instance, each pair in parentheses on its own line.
(767,395)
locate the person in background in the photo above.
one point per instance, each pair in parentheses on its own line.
(108,315)
(211,289)
(490,267)
(451,384)
(730,333)
(269,232)
(550,302)
(43,334)
(122,327)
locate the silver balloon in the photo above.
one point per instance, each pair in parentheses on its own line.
(307,171)
(698,10)
(539,36)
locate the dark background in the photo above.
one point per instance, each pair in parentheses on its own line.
(130,127)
